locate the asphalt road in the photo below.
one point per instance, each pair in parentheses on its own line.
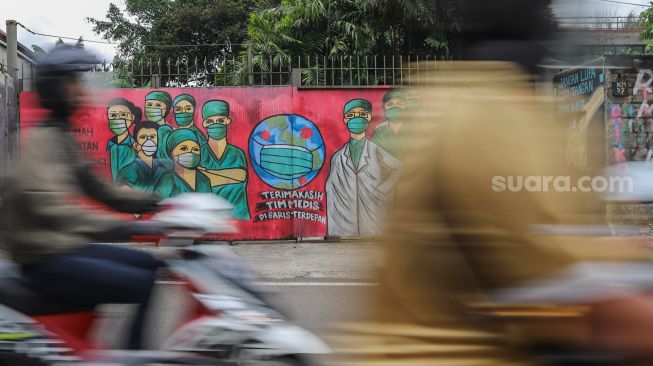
(318,284)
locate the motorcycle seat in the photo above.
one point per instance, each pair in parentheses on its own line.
(16,294)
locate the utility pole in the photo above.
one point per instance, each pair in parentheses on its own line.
(12,51)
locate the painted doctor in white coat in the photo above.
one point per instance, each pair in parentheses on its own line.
(361,180)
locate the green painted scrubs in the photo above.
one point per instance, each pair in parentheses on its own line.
(236,193)
(140,176)
(170,185)
(121,154)
(387,140)
(356,150)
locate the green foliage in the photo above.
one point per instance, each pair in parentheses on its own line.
(156,28)
(80,43)
(38,51)
(337,28)
(123,77)
(646,20)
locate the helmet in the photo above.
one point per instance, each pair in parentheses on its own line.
(54,70)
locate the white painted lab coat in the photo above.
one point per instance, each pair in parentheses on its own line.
(357,199)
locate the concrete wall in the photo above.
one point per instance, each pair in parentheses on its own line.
(25,67)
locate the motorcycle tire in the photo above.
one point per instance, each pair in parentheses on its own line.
(13,359)
(294,360)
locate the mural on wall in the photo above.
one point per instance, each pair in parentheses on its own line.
(287,152)
(581,96)
(222,162)
(362,174)
(122,114)
(145,171)
(386,135)
(293,163)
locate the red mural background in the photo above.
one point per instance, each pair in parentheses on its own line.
(248,107)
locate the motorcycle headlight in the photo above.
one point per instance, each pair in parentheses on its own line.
(220,302)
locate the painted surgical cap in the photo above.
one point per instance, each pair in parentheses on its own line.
(161,96)
(177,137)
(215,108)
(185,97)
(362,103)
(393,94)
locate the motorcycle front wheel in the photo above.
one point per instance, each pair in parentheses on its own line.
(295,360)
(14,359)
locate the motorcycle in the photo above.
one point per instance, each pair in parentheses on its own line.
(231,323)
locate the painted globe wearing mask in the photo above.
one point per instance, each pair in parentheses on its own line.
(286,151)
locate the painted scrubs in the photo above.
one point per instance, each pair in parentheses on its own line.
(140,176)
(236,193)
(356,150)
(163,132)
(386,139)
(200,136)
(121,154)
(170,185)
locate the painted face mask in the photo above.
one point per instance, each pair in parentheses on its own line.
(358,125)
(286,161)
(154,114)
(118,126)
(184,119)
(394,114)
(189,160)
(149,148)
(217,131)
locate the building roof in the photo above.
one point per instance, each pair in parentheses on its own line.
(27,53)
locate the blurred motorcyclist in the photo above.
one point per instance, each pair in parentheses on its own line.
(49,231)
(455,241)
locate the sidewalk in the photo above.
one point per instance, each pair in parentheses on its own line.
(285,260)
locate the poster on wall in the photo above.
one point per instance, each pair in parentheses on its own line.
(581,96)
(293,163)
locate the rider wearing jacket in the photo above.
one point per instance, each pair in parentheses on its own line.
(48,231)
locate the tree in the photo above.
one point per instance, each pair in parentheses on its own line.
(38,51)
(79,43)
(646,20)
(351,27)
(59,42)
(174,28)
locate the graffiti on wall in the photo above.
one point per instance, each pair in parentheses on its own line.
(631,116)
(292,164)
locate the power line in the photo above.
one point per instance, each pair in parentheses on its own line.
(624,2)
(7,66)
(192,45)
(63,37)
(145,45)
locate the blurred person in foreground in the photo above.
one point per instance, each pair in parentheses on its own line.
(49,231)
(456,246)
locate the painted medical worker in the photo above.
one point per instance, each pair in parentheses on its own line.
(223,163)
(361,179)
(121,114)
(184,150)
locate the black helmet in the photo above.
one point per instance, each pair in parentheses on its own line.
(56,68)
